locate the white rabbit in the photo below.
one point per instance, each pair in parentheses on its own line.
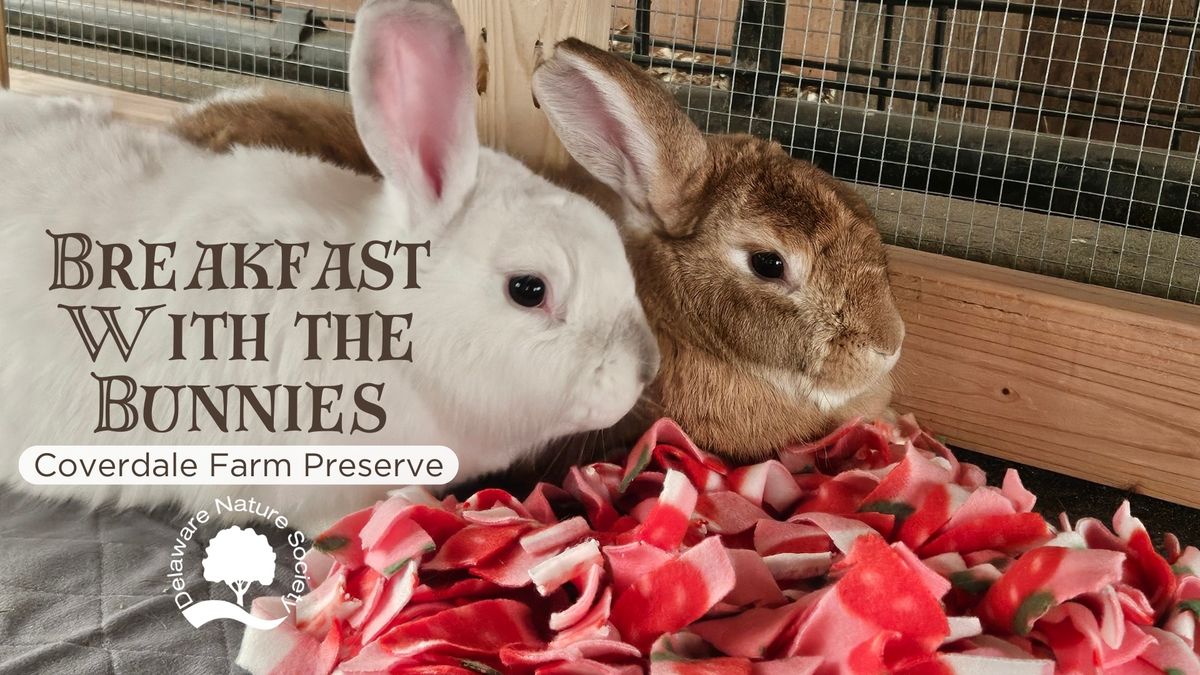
(490,378)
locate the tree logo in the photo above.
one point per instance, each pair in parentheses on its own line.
(238,558)
(239,563)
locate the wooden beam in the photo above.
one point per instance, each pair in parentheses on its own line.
(758,48)
(4,78)
(138,108)
(508,119)
(1083,380)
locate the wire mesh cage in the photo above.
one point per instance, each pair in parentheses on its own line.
(184,49)
(1056,136)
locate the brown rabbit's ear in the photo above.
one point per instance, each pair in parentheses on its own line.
(624,128)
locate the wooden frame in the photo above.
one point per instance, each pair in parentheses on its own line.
(4,78)
(1088,381)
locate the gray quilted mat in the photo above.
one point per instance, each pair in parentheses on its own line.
(86,592)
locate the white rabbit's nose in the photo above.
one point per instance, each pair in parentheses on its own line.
(649,370)
(649,357)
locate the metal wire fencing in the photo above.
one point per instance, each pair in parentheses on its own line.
(184,49)
(1054,136)
(1057,136)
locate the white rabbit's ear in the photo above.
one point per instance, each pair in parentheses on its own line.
(411,83)
(625,129)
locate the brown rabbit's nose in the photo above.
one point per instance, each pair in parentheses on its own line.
(887,335)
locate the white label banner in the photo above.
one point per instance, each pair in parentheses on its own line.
(238,465)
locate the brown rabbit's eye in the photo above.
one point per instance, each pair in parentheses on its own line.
(527,290)
(767,264)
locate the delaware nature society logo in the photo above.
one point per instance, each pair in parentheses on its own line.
(238,564)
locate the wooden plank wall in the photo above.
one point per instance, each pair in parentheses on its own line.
(866,43)
(1139,66)
(812,28)
(1087,381)
(983,44)
(977,44)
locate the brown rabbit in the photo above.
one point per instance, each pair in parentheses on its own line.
(763,277)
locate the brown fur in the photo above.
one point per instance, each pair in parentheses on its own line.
(732,343)
(728,341)
(718,330)
(305,125)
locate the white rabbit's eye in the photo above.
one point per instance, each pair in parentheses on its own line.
(767,264)
(527,290)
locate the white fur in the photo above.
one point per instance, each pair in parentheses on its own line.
(489,379)
(798,386)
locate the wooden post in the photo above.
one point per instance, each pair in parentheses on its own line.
(509,37)
(757,50)
(3,50)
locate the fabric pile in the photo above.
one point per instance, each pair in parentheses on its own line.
(871,551)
